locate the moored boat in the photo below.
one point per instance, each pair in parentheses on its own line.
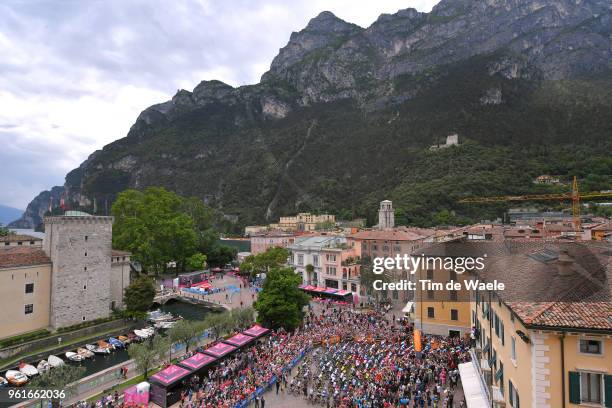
(72,356)
(116,343)
(3,382)
(16,378)
(143,334)
(124,339)
(103,344)
(102,350)
(85,353)
(43,366)
(90,347)
(132,337)
(28,369)
(55,361)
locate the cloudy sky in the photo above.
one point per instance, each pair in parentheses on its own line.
(74,74)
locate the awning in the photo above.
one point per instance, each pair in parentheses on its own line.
(170,375)
(309,288)
(331,290)
(319,290)
(342,292)
(256,331)
(302,286)
(408,307)
(197,361)
(475,395)
(220,349)
(239,340)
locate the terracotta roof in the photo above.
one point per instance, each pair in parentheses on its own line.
(18,237)
(555,284)
(387,235)
(118,252)
(22,256)
(603,227)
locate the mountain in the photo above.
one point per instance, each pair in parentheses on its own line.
(8,214)
(346,115)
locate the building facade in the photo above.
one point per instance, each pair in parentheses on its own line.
(25,296)
(262,242)
(75,277)
(326,261)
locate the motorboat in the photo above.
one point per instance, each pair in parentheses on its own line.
(72,356)
(43,366)
(85,352)
(165,325)
(159,316)
(103,344)
(16,378)
(55,361)
(28,369)
(124,339)
(116,343)
(132,336)
(3,382)
(90,347)
(143,334)
(102,350)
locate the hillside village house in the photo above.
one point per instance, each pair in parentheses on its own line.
(546,339)
(74,277)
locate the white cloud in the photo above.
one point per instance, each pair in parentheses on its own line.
(75,75)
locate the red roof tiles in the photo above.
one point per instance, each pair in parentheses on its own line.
(22,256)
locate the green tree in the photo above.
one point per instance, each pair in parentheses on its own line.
(219,323)
(60,378)
(274,257)
(146,354)
(281,302)
(242,318)
(196,262)
(4,231)
(154,227)
(139,294)
(185,332)
(221,255)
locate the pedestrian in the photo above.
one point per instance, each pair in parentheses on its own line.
(277,385)
(263,402)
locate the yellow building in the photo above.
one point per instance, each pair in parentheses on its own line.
(442,312)
(546,339)
(25,289)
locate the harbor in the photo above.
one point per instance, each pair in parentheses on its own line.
(102,353)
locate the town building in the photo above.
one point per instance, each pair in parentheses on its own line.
(73,278)
(602,232)
(545,339)
(20,240)
(547,179)
(305,222)
(262,242)
(370,244)
(326,261)
(255,229)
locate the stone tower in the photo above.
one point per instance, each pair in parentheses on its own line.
(386,217)
(79,246)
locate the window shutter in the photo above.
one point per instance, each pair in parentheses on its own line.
(608,390)
(574,387)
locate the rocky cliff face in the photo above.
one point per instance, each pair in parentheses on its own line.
(398,84)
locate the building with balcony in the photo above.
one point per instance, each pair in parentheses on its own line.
(545,340)
(326,261)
